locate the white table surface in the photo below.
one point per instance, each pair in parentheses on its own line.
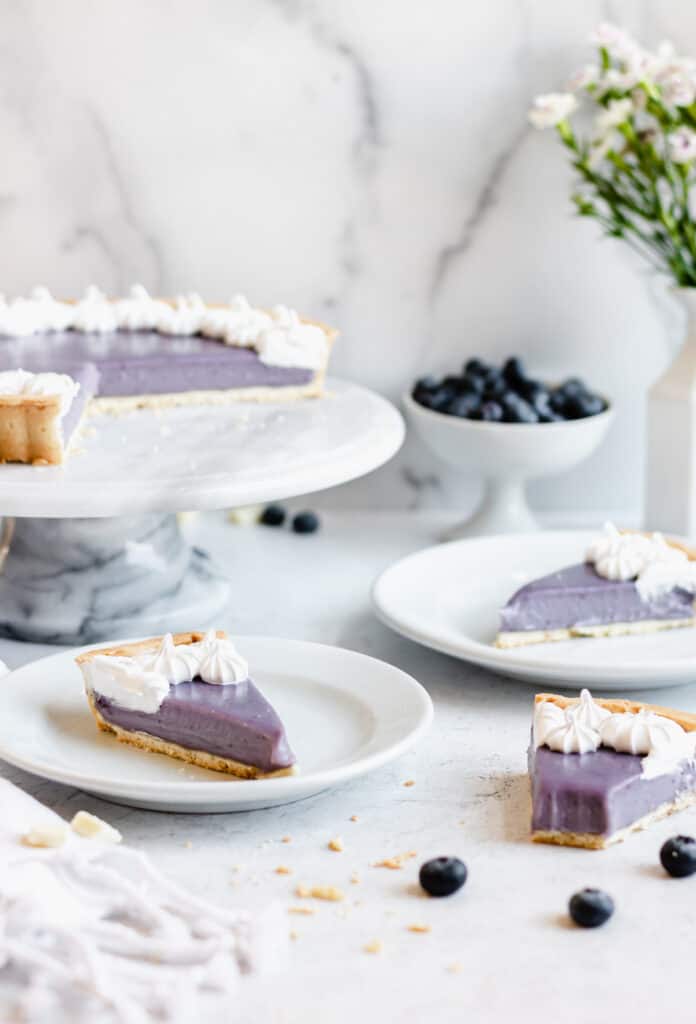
(502,948)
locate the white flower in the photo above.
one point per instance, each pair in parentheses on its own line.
(613,115)
(616,41)
(679,90)
(551,108)
(682,146)
(588,75)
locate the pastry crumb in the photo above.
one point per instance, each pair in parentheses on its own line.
(319,892)
(45,836)
(294,935)
(89,826)
(286,839)
(336,844)
(373,947)
(420,929)
(355,878)
(247,515)
(409,782)
(397,862)
(455,968)
(283,869)
(306,911)
(354,817)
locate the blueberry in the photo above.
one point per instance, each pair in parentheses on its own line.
(273,515)
(577,407)
(464,404)
(436,400)
(443,875)
(475,367)
(475,382)
(541,403)
(513,370)
(494,384)
(492,412)
(572,386)
(305,522)
(590,907)
(530,389)
(557,401)
(427,383)
(516,410)
(678,856)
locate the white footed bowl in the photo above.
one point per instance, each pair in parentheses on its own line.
(505,455)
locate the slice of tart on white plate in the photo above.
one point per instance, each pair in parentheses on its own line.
(188,696)
(601,769)
(629,583)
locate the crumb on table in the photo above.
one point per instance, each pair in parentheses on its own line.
(319,892)
(397,862)
(336,844)
(373,947)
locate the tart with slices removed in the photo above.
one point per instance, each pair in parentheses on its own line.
(629,583)
(59,360)
(601,769)
(188,696)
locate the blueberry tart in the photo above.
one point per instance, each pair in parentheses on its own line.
(601,769)
(628,583)
(188,696)
(60,359)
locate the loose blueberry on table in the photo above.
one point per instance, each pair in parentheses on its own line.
(678,856)
(590,908)
(443,876)
(506,395)
(305,522)
(273,515)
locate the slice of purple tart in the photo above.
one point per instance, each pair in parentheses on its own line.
(188,696)
(630,583)
(601,769)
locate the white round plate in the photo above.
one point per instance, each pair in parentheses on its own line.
(447,597)
(345,714)
(202,457)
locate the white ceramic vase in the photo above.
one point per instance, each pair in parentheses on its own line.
(670,484)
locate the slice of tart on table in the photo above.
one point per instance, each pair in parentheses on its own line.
(189,696)
(629,583)
(601,769)
(59,360)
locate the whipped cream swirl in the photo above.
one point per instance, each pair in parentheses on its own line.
(280,337)
(142,681)
(584,726)
(656,566)
(23,382)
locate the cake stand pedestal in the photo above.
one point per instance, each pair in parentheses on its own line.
(93,550)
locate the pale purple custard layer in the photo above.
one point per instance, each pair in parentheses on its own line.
(579,596)
(234,721)
(145,362)
(599,792)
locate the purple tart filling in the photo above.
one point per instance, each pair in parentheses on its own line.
(235,722)
(599,792)
(146,362)
(578,596)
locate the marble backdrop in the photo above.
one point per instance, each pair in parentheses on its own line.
(368,161)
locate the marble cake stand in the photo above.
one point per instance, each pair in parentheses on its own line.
(93,550)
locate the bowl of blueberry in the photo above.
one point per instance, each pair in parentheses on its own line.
(507,426)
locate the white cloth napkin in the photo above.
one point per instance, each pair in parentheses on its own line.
(90,931)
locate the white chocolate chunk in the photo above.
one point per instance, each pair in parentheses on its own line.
(46,836)
(89,826)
